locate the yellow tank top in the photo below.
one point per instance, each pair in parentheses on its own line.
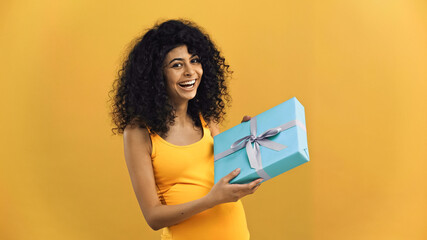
(186,173)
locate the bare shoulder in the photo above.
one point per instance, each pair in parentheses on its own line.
(137,150)
(214,128)
(137,139)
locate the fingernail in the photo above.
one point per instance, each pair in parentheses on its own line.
(237,170)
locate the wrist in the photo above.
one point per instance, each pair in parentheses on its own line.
(209,200)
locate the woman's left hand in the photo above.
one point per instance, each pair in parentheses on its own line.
(246,118)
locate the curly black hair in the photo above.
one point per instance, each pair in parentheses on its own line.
(139,91)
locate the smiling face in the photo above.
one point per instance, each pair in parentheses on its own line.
(183,73)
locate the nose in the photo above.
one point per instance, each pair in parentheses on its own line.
(189,70)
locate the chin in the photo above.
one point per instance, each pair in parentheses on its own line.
(190,97)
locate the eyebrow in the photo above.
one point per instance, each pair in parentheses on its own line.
(176,59)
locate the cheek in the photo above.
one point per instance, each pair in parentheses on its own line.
(168,85)
(170,79)
(171,86)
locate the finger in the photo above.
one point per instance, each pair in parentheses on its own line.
(250,191)
(246,118)
(255,183)
(231,175)
(245,187)
(255,188)
(240,187)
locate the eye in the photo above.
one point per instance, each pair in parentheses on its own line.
(195,60)
(176,65)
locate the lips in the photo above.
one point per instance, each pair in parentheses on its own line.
(187,84)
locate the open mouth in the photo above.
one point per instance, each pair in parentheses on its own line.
(188,84)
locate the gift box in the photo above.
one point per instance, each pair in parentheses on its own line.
(270,144)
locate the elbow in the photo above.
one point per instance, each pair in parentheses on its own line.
(154,226)
(155,219)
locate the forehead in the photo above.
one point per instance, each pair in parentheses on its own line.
(178,52)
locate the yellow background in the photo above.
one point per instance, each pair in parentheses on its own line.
(358,67)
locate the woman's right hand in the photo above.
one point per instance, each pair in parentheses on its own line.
(223,191)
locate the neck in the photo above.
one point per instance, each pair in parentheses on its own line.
(182,118)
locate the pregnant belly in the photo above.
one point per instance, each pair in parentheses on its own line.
(184,192)
(224,221)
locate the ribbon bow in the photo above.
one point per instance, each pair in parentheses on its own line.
(254,153)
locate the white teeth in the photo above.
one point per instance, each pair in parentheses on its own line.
(191,82)
(188,84)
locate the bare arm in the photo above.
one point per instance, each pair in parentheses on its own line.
(137,148)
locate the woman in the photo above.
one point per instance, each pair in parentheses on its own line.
(168,100)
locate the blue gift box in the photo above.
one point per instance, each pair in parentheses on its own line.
(247,146)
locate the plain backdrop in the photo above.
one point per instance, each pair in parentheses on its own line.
(357,66)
